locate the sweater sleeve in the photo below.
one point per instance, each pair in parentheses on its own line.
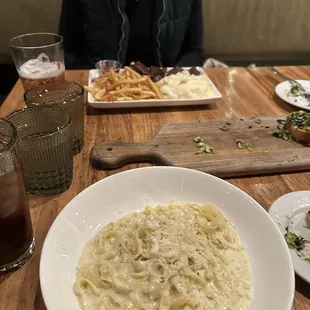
(71,28)
(192,49)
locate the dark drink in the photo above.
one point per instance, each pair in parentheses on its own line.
(16,235)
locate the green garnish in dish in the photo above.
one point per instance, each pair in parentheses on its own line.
(294,242)
(297,243)
(300,119)
(295,90)
(281,131)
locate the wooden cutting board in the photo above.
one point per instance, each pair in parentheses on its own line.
(173,145)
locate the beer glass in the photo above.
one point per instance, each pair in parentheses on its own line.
(16,235)
(38,57)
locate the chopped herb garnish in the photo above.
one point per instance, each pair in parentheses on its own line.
(197,140)
(258,121)
(249,147)
(224,128)
(300,119)
(200,151)
(281,131)
(294,242)
(297,243)
(241,144)
(203,147)
(209,149)
(156,145)
(295,90)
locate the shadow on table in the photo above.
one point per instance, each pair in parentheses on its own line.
(5,277)
(283,105)
(93,111)
(39,303)
(39,201)
(270,82)
(302,286)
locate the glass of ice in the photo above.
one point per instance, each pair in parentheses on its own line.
(38,57)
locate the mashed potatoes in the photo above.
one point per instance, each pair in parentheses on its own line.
(185,86)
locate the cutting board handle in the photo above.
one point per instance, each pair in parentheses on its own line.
(113,155)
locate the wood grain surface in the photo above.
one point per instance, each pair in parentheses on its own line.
(173,145)
(246,93)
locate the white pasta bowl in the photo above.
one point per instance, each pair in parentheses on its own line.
(117,195)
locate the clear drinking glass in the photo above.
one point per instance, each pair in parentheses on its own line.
(38,57)
(66,95)
(45,143)
(16,235)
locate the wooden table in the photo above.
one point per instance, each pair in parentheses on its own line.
(246,92)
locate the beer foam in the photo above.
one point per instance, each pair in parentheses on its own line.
(41,68)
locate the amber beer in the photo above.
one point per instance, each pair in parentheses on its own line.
(34,75)
(38,57)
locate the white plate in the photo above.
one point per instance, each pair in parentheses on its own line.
(289,211)
(111,198)
(151,103)
(284,88)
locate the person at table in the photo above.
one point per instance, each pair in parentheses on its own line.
(155,32)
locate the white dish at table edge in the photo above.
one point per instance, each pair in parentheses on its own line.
(151,103)
(285,211)
(284,88)
(119,194)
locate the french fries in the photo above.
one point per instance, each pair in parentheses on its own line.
(126,85)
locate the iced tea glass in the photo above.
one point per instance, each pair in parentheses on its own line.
(45,144)
(38,57)
(16,235)
(66,95)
